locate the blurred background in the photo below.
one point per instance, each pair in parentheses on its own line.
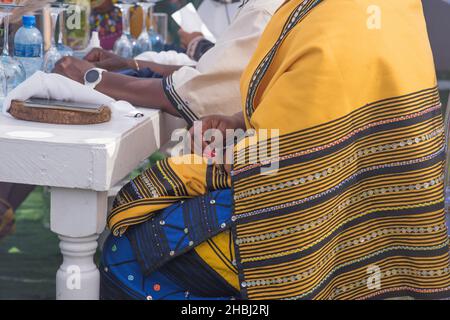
(437,14)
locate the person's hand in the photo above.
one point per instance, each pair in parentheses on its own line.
(108,60)
(226,127)
(73,68)
(187,37)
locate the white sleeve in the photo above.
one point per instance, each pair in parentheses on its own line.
(213,86)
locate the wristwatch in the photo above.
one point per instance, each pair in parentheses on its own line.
(93,77)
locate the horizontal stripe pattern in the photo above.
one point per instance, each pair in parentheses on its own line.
(155,189)
(177,101)
(361,193)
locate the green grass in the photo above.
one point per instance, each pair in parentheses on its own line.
(30,257)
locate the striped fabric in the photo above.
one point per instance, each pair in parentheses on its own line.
(217,178)
(177,220)
(187,277)
(178,229)
(358,194)
(162,186)
(177,101)
(355,209)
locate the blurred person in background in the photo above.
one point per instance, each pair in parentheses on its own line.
(217,15)
(189,92)
(11,197)
(437,13)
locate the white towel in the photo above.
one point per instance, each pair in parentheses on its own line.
(56,87)
(171,57)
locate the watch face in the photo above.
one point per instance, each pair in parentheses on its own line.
(92,76)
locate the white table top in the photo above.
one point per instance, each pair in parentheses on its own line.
(92,157)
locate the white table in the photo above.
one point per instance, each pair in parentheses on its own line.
(80,164)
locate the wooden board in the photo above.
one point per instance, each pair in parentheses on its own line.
(44,115)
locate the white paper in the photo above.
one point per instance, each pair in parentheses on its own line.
(190,21)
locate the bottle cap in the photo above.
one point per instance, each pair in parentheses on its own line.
(95,40)
(29,21)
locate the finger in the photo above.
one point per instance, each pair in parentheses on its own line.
(215,146)
(209,151)
(105,64)
(208,146)
(57,65)
(57,69)
(62,61)
(61,64)
(191,134)
(94,55)
(197,142)
(60,69)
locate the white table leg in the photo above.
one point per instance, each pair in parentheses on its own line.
(78,217)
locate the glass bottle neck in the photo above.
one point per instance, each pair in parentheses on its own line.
(6,35)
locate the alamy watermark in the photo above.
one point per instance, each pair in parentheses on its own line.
(374,278)
(73,281)
(74,14)
(259,147)
(374,19)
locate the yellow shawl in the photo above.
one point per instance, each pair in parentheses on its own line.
(355,209)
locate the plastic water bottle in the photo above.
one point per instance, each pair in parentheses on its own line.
(28,45)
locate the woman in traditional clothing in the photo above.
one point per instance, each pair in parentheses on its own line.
(352,206)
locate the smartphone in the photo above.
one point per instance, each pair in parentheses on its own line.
(62,105)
